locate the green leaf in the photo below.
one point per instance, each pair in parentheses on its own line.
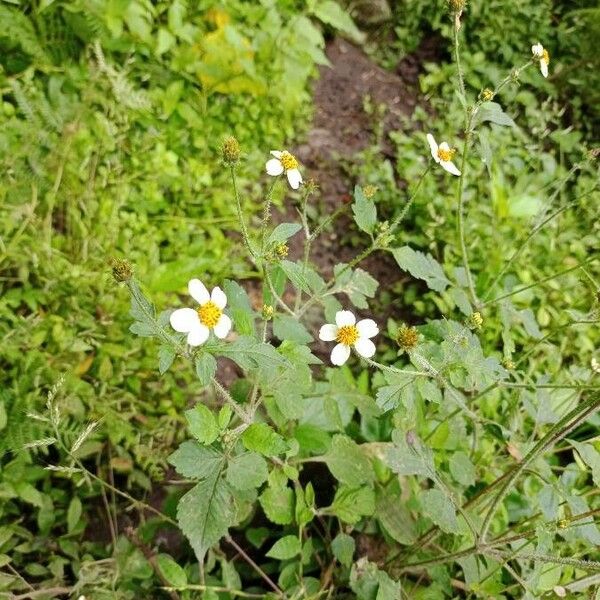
(171,571)
(166,356)
(260,437)
(365,212)
(333,14)
(405,459)
(240,308)
(492,112)
(195,461)
(3,416)
(393,514)
(278,502)
(422,266)
(247,471)
(206,367)
(250,354)
(285,548)
(438,507)
(202,424)
(206,512)
(28,493)
(357,284)
(286,327)
(350,504)
(282,232)
(369,583)
(348,463)
(462,469)
(73,513)
(343,547)
(295,275)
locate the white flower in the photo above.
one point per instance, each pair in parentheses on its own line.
(442,155)
(348,333)
(284,161)
(209,315)
(542,55)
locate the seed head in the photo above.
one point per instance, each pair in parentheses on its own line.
(369,191)
(486,95)
(122,270)
(457,6)
(281,250)
(509,364)
(267,312)
(230,150)
(475,321)
(407,338)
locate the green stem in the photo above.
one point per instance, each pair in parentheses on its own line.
(237,409)
(240,213)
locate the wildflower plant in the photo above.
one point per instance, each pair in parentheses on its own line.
(388,419)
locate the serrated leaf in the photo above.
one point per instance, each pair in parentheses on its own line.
(282,232)
(296,275)
(438,507)
(262,438)
(286,327)
(492,112)
(166,356)
(250,354)
(351,504)
(422,266)
(343,547)
(405,459)
(394,516)
(285,548)
(247,471)
(348,463)
(333,14)
(206,512)
(206,367)
(240,308)
(195,461)
(462,469)
(202,424)
(365,212)
(278,504)
(171,571)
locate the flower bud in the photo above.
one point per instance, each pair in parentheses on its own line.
(369,191)
(407,338)
(509,364)
(486,95)
(267,312)
(230,150)
(457,6)
(475,321)
(281,250)
(122,270)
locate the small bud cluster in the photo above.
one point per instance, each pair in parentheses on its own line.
(475,321)
(486,95)
(369,191)
(267,312)
(281,250)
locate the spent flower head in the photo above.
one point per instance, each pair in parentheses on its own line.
(230,150)
(281,250)
(284,162)
(407,337)
(486,95)
(122,270)
(349,334)
(443,155)
(198,322)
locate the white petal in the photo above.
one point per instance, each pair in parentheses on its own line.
(274,167)
(223,327)
(198,291)
(294,178)
(537,50)
(367,328)
(218,297)
(434,147)
(544,68)
(344,317)
(184,320)
(365,347)
(276,153)
(444,146)
(328,332)
(340,354)
(449,166)
(198,335)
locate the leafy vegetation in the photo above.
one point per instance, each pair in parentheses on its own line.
(456,457)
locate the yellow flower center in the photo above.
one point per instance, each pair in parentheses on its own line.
(545,57)
(288,161)
(209,314)
(347,335)
(446,155)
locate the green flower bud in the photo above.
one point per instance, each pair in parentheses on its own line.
(267,312)
(407,338)
(122,270)
(230,150)
(475,321)
(486,95)
(281,250)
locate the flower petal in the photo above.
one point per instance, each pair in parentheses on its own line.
(434,147)
(340,354)
(223,327)
(537,50)
(198,291)
(367,328)
(328,332)
(294,178)
(198,335)
(184,320)
(218,297)
(449,166)
(344,317)
(544,68)
(365,347)
(276,153)
(444,146)
(274,167)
